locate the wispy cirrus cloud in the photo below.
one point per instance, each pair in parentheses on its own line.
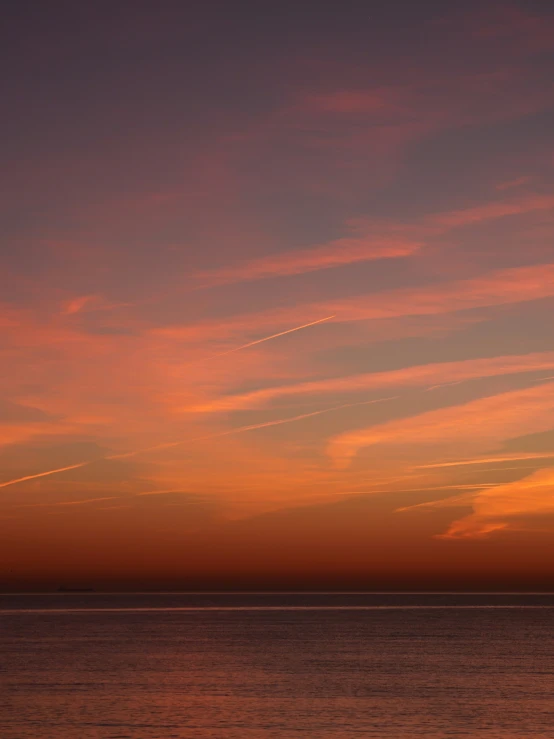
(493,211)
(526,32)
(349,250)
(445,373)
(403,189)
(503,506)
(373,241)
(482,423)
(498,287)
(181,442)
(75,305)
(89,303)
(515,182)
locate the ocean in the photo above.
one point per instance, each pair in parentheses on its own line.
(287,666)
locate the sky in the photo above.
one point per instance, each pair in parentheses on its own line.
(277,295)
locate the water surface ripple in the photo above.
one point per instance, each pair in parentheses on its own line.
(261,666)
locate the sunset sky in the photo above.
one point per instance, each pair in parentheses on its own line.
(277,295)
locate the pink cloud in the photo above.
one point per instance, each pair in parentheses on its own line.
(89,303)
(499,287)
(516,182)
(363,248)
(367,102)
(524,31)
(372,241)
(493,211)
(77,304)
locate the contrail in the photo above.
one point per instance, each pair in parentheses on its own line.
(484,460)
(68,502)
(273,336)
(299,418)
(171,444)
(44,474)
(442,384)
(454,500)
(448,502)
(251,427)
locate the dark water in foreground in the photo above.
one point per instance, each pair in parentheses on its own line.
(289,666)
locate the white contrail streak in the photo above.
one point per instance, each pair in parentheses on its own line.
(273,336)
(251,427)
(455,500)
(165,446)
(171,444)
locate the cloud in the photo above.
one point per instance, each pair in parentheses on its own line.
(181,442)
(515,182)
(18,432)
(503,506)
(498,287)
(89,303)
(373,240)
(77,304)
(444,373)
(351,101)
(514,457)
(363,248)
(493,211)
(15,412)
(525,32)
(481,423)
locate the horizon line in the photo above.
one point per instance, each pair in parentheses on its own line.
(281,592)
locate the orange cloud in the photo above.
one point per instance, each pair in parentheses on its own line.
(90,303)
(501,506)
(514,285)
(77,304)
(445,373)
(181,442)
(499,287)
(17,433)
(480,423)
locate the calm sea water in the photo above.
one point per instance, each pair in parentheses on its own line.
(258,666)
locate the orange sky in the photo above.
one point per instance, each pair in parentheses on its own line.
(277,298)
